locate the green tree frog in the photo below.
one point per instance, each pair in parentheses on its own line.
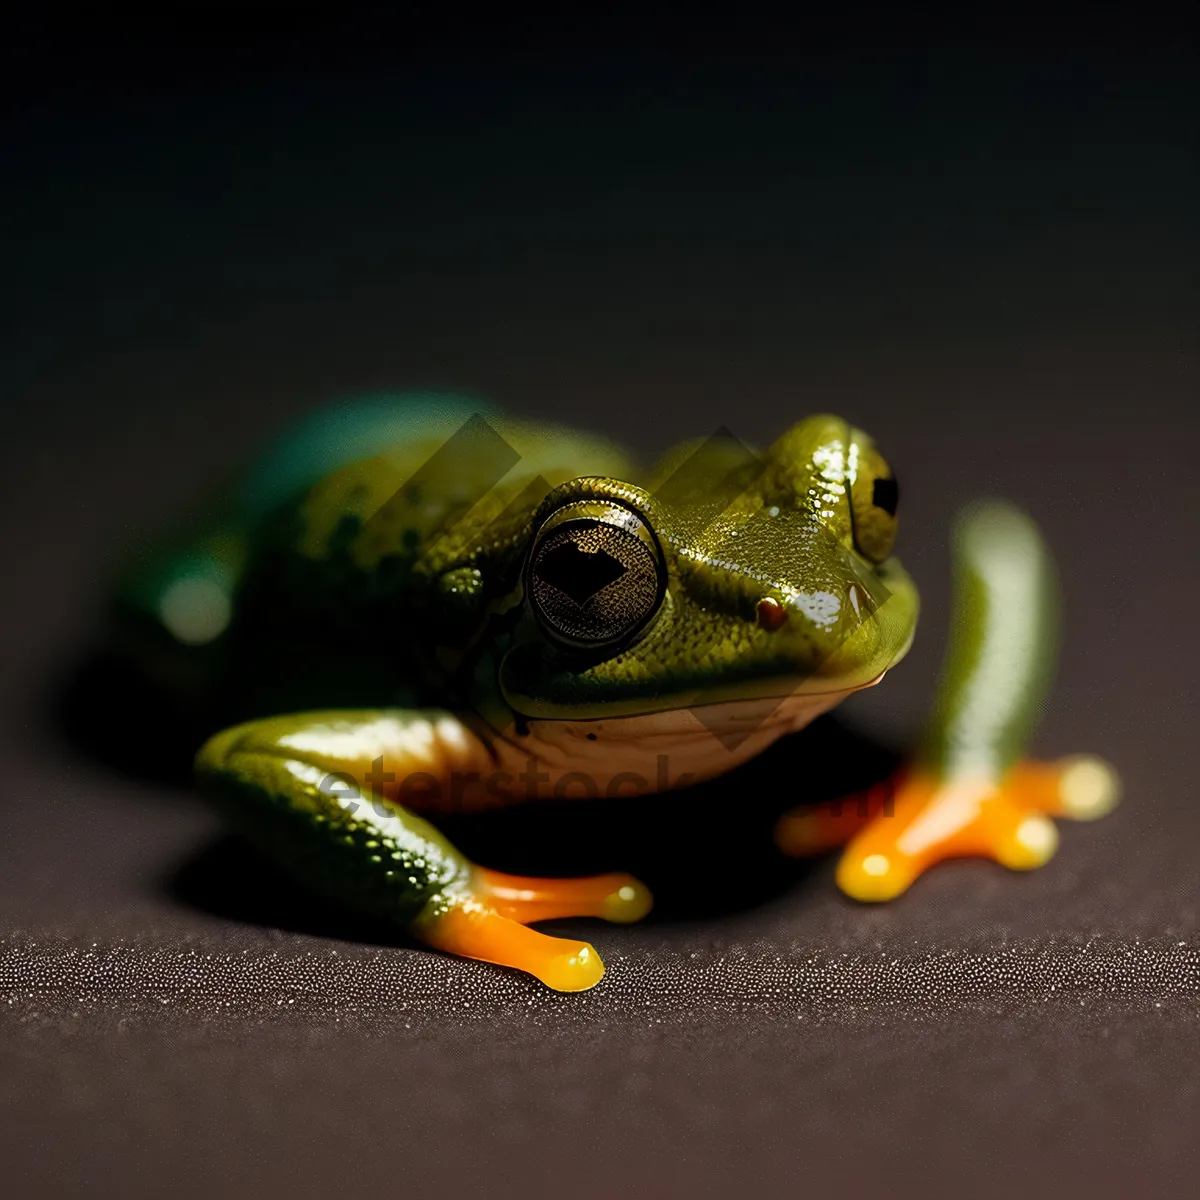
(414,605)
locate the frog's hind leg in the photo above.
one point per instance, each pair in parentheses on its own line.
(968,792)
(321,794)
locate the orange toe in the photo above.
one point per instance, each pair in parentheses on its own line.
(807,831)
(615,897)
(475,930)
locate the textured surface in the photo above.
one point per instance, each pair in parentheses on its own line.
(994,277)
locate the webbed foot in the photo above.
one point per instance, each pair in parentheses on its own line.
(489,922)
(895,832)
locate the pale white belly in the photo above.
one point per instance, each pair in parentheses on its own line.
(638,755)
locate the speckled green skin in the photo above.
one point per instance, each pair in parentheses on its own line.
(376,860)
(362,588)
(375,558)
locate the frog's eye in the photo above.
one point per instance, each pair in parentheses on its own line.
(595,574)
(874,496)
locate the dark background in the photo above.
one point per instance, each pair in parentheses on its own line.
(979,245)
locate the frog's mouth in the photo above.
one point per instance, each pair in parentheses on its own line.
(749,700)
(534,688)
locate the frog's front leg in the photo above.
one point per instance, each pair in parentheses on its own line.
(968,791)
(896,831)
(329,796)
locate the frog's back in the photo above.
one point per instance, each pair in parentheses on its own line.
(361,540)
(416,541)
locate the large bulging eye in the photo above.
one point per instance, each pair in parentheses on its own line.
(874,497)
(595,574)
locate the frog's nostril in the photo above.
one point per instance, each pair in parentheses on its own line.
(770,614)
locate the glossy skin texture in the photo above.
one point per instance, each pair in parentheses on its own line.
(454,610)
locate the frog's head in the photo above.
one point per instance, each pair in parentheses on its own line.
(723,576)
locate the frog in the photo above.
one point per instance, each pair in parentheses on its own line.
(416,605)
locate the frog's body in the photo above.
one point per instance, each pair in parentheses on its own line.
(469,611)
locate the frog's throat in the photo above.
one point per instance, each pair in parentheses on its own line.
(659,751)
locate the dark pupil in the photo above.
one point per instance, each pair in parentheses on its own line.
(886,495)
(578,574)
